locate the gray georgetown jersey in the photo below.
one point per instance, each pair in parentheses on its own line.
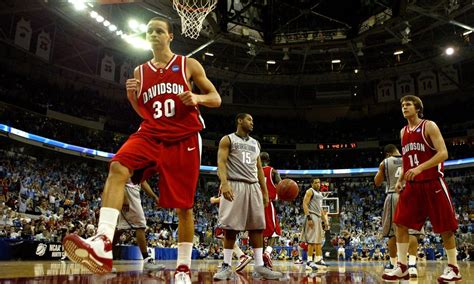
(316,203)
(393,169)
(242,160)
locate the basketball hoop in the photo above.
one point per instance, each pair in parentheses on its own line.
(193,13)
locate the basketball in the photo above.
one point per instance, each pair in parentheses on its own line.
(287,190)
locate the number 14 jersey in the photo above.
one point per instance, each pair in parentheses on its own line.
(166,117)
(416,150)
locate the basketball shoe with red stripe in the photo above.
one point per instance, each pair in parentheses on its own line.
(94,253)
(182,275)
(400,272)
(451,273)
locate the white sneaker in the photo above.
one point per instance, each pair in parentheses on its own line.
(412,271)
(244,260)
(451,273)
(95,253)
(182,275)
(400,272)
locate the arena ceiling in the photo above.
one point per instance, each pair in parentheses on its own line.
(303,37)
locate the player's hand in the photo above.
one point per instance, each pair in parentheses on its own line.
(189,99)
(157,201)
(133,86)
(226,191)
(399,187)
(310,223)
(412,173)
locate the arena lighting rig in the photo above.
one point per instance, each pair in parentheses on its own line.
(37,140)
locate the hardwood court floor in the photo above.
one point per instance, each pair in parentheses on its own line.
(203,270)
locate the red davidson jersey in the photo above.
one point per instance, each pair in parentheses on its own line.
(166,117)
(416,150)
(272,192)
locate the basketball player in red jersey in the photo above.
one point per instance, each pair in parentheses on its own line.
(272,230)
(425,193)
(167,143)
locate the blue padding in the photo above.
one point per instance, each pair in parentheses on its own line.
(92,152)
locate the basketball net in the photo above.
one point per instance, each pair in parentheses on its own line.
(192,14)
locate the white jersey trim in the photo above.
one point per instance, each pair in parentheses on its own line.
(423,135)
(445,190)
(141,81)
(171,62)
(152,67)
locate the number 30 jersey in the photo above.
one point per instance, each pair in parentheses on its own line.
(166,117)
(416,150)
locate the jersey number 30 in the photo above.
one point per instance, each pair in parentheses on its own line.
(167,108)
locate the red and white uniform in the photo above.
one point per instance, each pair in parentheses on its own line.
(168,140)
(272,227)
(427,195)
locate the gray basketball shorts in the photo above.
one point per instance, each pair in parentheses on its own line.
(246,211)
(131,216)
(312,235)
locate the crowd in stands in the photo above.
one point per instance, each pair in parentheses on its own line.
(35,96)
(46,195)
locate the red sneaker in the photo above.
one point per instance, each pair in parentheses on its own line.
(94,253)
(182,275)
(400,272)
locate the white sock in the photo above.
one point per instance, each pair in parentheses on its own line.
(402,250)
(185,251)
(268,250)
(107,222)
(318,258)
(238,252)
(310,258)
(393,261)
(412,259)
(451,254)
(258,256)
(228,256)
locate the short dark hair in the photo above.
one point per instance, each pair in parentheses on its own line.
(313,179)
(265,157)
(416,101)
(389,149)
(163,19)
(241,115)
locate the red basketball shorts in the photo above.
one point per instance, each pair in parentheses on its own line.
(271,220)
(177,163)
(423,199)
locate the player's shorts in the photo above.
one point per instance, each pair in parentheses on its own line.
(423,199)
(131,216)
(176,162)
(312,235)
(388,227)
(246,211)
(272,228)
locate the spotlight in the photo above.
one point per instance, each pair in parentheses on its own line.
(209,54)
(112,28)
(398,52)
(99,19)
(106,23)
(133,24)
(336,61)
(271,62)
(356,71)
(467,33)
(94,14)
(449,51)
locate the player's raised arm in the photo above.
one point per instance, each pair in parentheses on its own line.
(133,87)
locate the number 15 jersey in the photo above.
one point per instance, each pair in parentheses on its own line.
(416,150)
(165,116)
